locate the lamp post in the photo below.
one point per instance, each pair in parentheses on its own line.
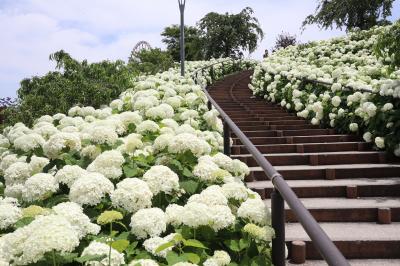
(182,37)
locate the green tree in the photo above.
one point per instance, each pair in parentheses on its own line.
(151,61)
(284,40)
(193,42)
(350,14)
(225,35)
(73,82)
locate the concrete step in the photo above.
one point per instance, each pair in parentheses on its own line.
(339,171)
(354,240)
(354,262)
(321,158)
(305,148)
(299,139)
(346,210)
(364,187)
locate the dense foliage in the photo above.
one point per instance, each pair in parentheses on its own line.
(193,42)
(151,61)
(388,45)
(350,14)
(284,40)
(139,182)
(229,35)
(74,83)
(217,35)
(80,83)
(355,90)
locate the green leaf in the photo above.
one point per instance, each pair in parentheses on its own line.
(120,245)
(187,173)
(192,257)
(234,245)
(130,171)
(194,243)
(190,186)
(173,258)
(165,246)
(87,258)
(23,221)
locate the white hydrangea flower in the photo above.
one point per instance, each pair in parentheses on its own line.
(39,186)
(109,163)
(132,142)
(30,243)
(199,214)
(8,160)
(146,127)
(69,173)
(10,213)
(184,264)
(153,243)
(173,214)
(132,194)
(17,173)
(212,195)
(367,136)
(380,142)
(91,151)
(59,141)
(336,101)
(143,262)
(148,222)
(128,118)
(161,179)
(353,127)
(29,142)
(189,142)
(97,248)
(103,135)
(387,107)
(255,211)
(222,257)
(160,112)
(38,163)
(80,221)
(233,190)
(90,189)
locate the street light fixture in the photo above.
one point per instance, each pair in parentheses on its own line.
(182,35)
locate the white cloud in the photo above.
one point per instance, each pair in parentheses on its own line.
(108,29)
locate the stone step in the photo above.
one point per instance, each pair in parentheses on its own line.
(277,127)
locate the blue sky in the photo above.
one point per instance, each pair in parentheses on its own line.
(108,29)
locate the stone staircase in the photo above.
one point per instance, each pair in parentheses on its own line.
(352,190)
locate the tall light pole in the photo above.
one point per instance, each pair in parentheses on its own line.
(182,37)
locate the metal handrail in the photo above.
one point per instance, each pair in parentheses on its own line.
(281,192)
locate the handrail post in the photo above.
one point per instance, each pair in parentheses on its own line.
(278,224)
(209,106)
(227,139)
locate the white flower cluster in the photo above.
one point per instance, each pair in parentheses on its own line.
(163,120)
(351,82)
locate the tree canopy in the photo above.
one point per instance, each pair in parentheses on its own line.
(216,35)
(284,40)
(227,34)
(350,14)
(193,42)
(151,61)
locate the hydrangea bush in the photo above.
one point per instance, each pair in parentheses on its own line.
(139,182)
(339,83)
